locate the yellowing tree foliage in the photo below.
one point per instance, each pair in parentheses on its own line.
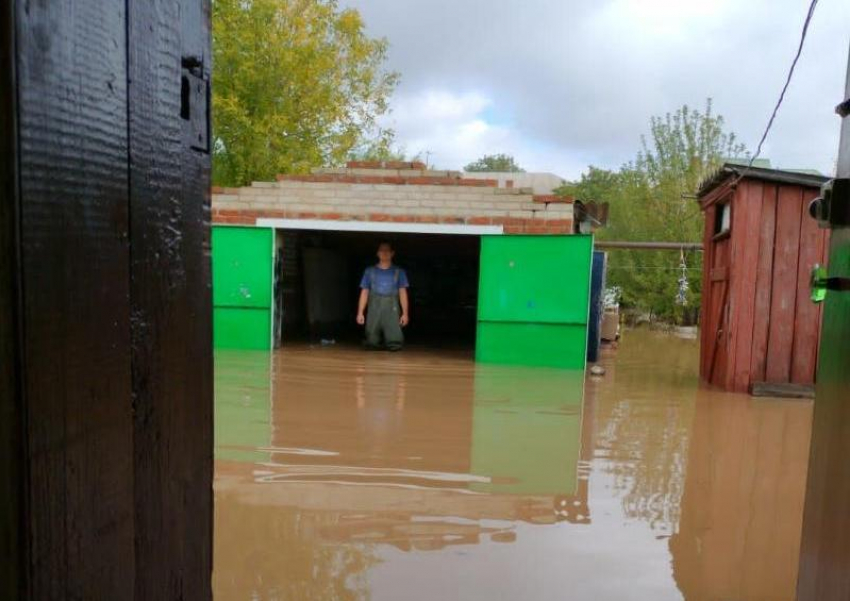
(296,84)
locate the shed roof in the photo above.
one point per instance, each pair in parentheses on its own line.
(780,176)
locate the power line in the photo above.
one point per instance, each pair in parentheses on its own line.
(784,89)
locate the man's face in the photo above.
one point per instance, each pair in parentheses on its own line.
(385,253)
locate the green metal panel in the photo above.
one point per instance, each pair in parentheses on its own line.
(238,328)
(242,266)
(242,405)
(242,287)
(545,345)
(526,429)
(542,279)
(533,300)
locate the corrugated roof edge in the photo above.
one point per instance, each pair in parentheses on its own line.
(771,175)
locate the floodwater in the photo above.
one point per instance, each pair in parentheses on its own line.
(342,474)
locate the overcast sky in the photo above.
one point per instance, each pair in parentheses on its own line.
(563,84)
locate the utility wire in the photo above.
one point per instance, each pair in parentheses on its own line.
(784,89)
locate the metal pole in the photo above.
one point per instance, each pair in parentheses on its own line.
(607,244)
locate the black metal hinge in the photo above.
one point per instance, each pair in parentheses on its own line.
(832,207)
(195,103)
(843,109)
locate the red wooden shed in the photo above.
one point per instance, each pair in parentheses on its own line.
(758,323)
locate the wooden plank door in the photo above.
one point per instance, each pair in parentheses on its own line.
(825,553)
(717,328)
(105,309)
(169,67)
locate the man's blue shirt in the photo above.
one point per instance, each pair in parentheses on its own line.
(385,282)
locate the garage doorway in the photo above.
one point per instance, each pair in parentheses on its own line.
(317,283)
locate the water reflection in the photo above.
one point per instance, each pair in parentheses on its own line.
(742,507)
(347,475)
(526,437)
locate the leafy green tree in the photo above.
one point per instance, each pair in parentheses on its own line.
(381,150)
(651,199)
(495,163)
(297,84)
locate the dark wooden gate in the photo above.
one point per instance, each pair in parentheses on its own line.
(106,381)
(825,553)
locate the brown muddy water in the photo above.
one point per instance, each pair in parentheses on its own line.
(342,474)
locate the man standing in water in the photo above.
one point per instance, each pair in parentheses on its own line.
(384,289)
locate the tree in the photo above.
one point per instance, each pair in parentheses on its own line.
(298,84)
(651,199)
(381,150)
(495,163)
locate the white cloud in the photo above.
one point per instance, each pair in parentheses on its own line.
(579,81)
(454,130)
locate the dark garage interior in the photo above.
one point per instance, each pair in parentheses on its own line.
(317,278)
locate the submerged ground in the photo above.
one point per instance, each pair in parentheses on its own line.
(349,475)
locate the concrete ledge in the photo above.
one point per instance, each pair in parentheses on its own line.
(381,226)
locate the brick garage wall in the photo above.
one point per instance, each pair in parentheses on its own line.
(395,192)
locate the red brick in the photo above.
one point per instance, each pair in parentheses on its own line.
(552,198)
(405,165)
(379,217)
(513,229)
(480,220)
(480,183)
(432,181)
(508,221)
(509,183)
(454,219)
(401,165)
(362,164)
(330,216)
(217,190)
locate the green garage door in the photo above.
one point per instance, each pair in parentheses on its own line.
(533,300)
(242,287)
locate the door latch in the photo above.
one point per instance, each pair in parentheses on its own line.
(832,207)
(195,103)
(820,282)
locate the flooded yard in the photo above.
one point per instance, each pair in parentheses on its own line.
(342,474)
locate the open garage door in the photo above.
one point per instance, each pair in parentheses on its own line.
(242,287)
(533,300)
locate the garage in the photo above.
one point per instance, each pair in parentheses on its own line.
(494,271)
(509,299)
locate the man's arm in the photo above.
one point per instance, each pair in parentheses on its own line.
(361,306)
(402,297)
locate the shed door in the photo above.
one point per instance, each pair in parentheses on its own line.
(242,287)
(716,326)
(533,300)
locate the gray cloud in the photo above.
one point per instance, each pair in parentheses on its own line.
(575,82)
